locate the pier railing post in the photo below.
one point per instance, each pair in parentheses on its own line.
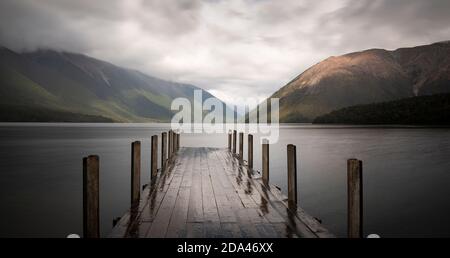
(292,175)
(229,142)
(91,215)
(241,147)
(174,141)
(170,145)
(135,172)
(163,151)
(234,141)
(154,157)
(355,198)
(250,151)
(265,161)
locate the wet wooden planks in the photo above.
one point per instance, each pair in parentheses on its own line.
(206,192)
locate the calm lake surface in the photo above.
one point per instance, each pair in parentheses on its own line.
(406,174)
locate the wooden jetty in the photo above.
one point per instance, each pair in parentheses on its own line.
(211,193)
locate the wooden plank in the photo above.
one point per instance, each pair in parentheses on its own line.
(231,230)
(210,211)
(177,226)
(195,211)
(244,206)
(206,192)
(220,187)
(162,218)
(292,220)
(157,190)
(195,230)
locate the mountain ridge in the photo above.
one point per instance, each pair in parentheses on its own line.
(77,83)
(365,77)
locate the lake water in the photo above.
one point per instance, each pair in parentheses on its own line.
(406,174)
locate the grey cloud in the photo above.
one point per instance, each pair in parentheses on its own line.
(245,47)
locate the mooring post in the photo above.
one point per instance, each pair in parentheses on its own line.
(163,151)
(265,161)
(234,141)
(241,147)
(170,145)
(229,141)
(250,151)
(135,172)
(292,175)
(154,157)
(355,198)
(91,218)
(174,141)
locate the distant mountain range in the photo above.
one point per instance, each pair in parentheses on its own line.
(48,85)
(365,77)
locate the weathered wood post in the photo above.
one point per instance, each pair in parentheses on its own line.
(91,215)
(241,147)
(170,144)
(154,157)
(250,151)
(163,151)
(229,142)
(174,141)
(292,175)
(234,141)
(135,172)
(265,161)
(355,198)
(178,141)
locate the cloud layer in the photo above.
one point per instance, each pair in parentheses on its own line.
(233,48)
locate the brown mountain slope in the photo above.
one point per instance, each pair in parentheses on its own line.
(369,76)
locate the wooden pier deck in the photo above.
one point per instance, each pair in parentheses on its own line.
(207,192)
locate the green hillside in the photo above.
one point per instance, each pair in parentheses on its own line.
(53,84)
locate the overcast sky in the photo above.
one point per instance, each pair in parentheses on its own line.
(233,48)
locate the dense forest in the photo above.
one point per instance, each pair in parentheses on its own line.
(423,110)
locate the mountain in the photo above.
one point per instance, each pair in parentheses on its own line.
(63,86)
(421,110)
(370,76)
